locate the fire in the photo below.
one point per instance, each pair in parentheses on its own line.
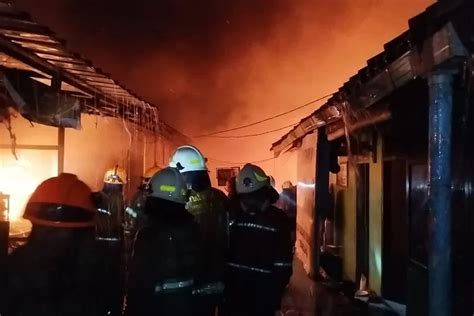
(19,178)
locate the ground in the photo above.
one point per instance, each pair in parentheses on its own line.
(299,298)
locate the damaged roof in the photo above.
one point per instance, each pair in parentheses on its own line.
(433,39)
(33,48)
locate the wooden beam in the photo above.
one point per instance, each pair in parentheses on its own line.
(34,61)
(61,141)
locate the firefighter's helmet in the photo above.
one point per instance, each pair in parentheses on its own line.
(63,201)
(251,179)
(168,184)
(116,175)
(188,158)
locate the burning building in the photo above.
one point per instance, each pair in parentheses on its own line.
(385,164)
(59,113)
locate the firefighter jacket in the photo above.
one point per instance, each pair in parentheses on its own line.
(54,274)
(163,266)
(135,217)
(260,260)
(109,216)
(210,210)
(109,242)
(287,203)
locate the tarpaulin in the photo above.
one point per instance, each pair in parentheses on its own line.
(38,102)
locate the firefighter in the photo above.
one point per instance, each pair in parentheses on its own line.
(110,238)
(288,205)
(275,197)
(111,205)
(166,251)
(135,217)
(54,273)
(209,207)
(230,187)
(260,259)
(234,204)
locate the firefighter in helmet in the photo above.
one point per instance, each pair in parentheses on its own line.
(165,253)
(134,211)
(288,205)
(260,258)
(54,273)
(209,206)
(111,201)
(135,217)
(109,237)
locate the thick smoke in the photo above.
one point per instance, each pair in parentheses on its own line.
(210,62)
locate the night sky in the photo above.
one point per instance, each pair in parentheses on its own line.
(209,64)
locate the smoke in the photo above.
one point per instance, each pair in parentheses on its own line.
(211,62)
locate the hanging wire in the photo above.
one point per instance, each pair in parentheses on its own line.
(252,135)
(268,118)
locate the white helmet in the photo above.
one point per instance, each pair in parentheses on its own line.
(168,184)
(251,179)
(188,158)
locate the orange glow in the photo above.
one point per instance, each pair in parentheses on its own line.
(239,62)
(19,178)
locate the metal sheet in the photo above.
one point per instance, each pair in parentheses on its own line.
(28,36)
(39,47)
(36,49)
(69,66)
(306,200)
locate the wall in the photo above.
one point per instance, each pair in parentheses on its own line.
(282,168)
(29,133)
(376,220)
(104,141)
(286,168)
(101,143)
(345,223)
(306,201)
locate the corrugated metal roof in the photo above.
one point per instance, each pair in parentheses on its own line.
(27,45)
(399,63)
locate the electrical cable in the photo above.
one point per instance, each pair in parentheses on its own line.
(240,163)
(253,135)
(268,118)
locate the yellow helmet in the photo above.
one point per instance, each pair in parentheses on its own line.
(116,175)
(287,185)
(150,172)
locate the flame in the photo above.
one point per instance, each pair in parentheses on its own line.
(19,178)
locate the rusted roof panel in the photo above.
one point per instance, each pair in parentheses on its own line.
(29,45)
(400,62)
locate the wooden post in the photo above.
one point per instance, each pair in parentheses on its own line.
(323,164)
(61,139)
